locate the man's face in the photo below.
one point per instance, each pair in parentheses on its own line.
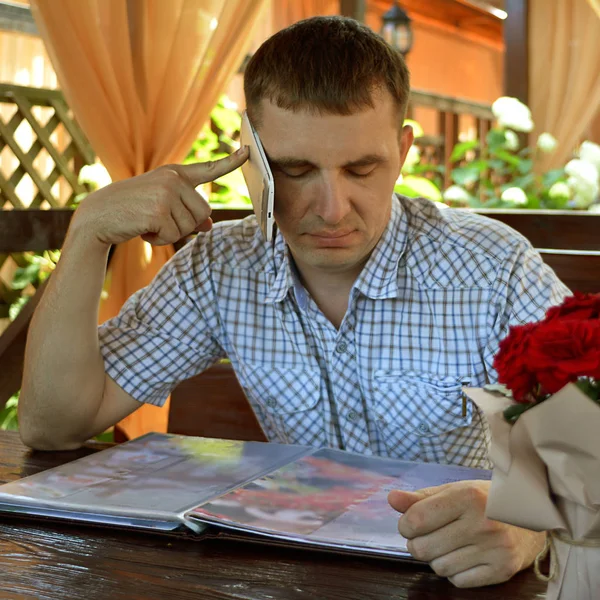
(334,179)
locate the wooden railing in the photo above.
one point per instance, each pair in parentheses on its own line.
(451,116)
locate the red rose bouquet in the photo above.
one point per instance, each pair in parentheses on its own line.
(539,359)
(546,440)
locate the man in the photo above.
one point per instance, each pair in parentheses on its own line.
(355,328)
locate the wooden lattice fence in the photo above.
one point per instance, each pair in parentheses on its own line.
(42,149)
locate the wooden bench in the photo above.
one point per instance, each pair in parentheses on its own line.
(567,240)
(213,404)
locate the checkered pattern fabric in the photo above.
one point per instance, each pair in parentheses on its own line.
(424,318)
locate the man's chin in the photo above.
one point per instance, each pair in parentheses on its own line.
(334,260)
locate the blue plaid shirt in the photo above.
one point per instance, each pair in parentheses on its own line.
(424,318)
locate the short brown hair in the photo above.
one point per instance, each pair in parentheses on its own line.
(329,65)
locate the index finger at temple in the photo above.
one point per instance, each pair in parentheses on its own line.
(202,172)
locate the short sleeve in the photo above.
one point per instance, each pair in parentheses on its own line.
(162,335)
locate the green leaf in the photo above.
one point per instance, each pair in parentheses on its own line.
(25,276)
(428,168)
(465,175)
(523,182)
(107,436)
(8,415)
(525,165)
(17,306)
(495,138)
(415,187)
(475,202)
(462,148)
(226,119)
(506,156)
(496,164)
(589,387)
(231,188)
(554,203)
(551,177)
(514,411)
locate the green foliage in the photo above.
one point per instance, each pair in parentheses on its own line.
(33,270)
(8,415)
(460,150)
(484,173)
(413,187)
(216,140)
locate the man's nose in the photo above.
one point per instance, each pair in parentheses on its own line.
(332,201)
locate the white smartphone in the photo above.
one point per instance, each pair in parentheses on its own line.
(259,178)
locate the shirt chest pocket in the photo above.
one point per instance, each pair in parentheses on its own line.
(288,403)
(416,411)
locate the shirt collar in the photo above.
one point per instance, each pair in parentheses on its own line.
(284,278)
(378,279)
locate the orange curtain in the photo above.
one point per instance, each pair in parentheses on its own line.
(286,12)
(564,71)
(141,77)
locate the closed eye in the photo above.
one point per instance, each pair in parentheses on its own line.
(296,173)
(361,171)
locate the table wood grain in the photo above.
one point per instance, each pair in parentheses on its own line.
(50,561)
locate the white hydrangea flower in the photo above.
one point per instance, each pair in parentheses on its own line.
(456,193)
(590,152)
(512,114)
(585,193)
(94,175)
(582,170)
(547,142)
(511,140)
(560,191)
(515,195)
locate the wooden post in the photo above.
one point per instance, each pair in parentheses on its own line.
(516,57)
(353,8)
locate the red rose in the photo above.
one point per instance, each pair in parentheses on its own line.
(581,307)
(562,350)
(510,362)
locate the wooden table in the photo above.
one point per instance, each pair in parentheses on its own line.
(48,561)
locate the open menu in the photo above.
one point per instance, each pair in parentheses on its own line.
(296,495)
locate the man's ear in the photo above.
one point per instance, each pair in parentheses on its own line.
(407,137)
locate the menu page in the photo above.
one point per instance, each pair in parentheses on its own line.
(155,474)
(330,498)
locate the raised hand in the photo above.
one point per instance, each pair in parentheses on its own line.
(162,205)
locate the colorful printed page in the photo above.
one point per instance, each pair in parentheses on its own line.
(155,476)
(330,498)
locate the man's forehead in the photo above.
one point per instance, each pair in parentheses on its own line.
(351,159)
(290,136)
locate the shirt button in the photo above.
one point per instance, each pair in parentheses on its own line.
(341,347)
(353,416)
(271,402)
(423,428)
